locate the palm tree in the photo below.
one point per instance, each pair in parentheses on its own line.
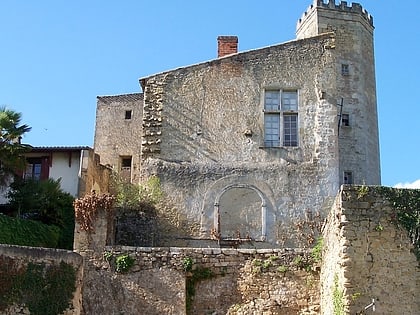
(11,150)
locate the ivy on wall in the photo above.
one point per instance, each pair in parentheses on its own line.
(193,276)
(406,203)
(43,289)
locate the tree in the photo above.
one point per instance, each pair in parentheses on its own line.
(11,150)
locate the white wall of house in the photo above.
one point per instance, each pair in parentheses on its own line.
(67,168)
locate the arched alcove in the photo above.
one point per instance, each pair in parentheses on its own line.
(240,211)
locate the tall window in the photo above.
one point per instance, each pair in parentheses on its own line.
(280,118)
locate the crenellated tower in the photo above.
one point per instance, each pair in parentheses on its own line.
(354,89)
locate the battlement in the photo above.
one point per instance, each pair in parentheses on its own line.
(343,7)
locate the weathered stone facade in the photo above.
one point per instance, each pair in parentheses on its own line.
(360,263)
(118,132)
(225,281)
(370,256)
(366,257)
(201,129)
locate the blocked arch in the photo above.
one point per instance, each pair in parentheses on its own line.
(210,222)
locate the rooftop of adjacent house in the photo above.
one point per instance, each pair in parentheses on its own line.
(60,148)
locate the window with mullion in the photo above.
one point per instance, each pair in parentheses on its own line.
(272,130)
(33,169)
(290,130)
(272,101)
(289,101)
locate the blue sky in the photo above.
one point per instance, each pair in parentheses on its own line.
(57,56)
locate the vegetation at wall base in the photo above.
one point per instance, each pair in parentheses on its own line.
(196,275)
(316,252)
(338,298)
(15,231)
(43,289)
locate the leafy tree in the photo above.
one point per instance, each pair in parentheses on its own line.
(11,131)
(46,202)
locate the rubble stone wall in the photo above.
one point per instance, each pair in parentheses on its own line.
(18,261)
(201,281)
(368,256)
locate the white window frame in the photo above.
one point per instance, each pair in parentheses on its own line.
(280,107)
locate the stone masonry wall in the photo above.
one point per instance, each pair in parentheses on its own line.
(207,123)
(117,136)
(218,281)
(355,88)
(14,261)
(367,256)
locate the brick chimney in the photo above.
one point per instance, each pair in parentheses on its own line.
(227,45)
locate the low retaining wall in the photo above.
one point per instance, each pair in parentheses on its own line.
(39,281)
(201,281)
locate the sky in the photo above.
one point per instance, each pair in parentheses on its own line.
(56,57)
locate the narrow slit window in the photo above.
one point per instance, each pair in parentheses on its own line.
(345,120)
(345,69)
(128,114)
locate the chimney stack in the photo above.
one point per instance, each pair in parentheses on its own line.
(227,45)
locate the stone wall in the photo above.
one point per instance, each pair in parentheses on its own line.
(204,139)
(368,256)
(118,136)
(15,261)
(201,281)
(94,176)
(355,88)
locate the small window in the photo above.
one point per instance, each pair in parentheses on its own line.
(345,70)
(125,171)
(345,120)
(126,162)
(348,178)
(128,114)
(33,169)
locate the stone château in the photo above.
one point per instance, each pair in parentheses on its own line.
(250,143)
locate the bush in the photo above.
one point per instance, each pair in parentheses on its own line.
(15,231)
(46,202)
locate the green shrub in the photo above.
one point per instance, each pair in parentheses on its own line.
(316,252)
(187,264)
(46,202)
(14,231)
(124,263)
